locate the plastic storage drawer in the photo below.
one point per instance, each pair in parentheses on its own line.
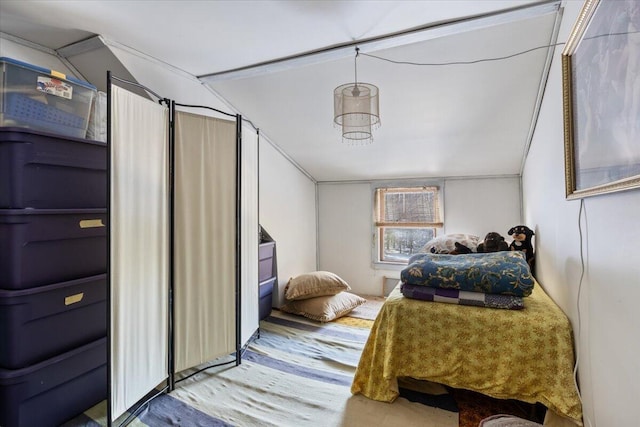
(51,172)
(39,323)
(56,390)
(43,99)
(265,261)
(266,298)
(44,246)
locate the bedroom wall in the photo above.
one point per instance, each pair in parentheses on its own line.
(288,213)
(31,55)
(603,308)
(471,205)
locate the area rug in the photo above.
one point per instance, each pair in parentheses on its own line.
(297,373)
(368,310)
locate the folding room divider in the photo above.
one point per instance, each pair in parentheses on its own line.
(205,233)
(183,206)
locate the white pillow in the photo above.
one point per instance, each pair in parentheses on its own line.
(446,244)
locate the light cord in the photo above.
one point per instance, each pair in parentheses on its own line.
(582,271)
(355,66)
(498,58)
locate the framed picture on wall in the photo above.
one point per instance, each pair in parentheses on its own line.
(601,92)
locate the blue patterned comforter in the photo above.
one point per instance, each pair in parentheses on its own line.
(505,272)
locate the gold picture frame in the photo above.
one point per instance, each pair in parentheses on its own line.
(601,97)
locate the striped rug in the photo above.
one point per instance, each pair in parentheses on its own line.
(297,373)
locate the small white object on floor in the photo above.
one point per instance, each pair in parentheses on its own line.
(507,421)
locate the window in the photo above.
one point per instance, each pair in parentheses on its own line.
(406,218)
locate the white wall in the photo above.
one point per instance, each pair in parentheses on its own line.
(480,205)
(42,58)
(167,81)
(287,212)
(474,206)
(607,323)
(344,237)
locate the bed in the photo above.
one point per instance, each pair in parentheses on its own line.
(524,354)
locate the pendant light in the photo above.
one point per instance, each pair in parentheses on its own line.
(356,109)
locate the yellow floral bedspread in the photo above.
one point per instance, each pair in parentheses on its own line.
(507,354)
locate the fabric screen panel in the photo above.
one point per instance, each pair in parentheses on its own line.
(139,252)
(249,245)
(205,239)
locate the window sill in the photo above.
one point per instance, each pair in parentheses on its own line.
(393,266)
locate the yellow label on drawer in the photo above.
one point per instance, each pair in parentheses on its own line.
(91,223)
(72,299)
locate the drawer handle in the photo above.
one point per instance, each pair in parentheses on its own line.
(72,299)
(91,223)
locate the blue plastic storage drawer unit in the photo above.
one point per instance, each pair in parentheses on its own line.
(53,172)
(39,323)
(38,98)
(266,298)
(45,246)
(54,391)
(265,260)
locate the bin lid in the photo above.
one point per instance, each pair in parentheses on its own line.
(11,296)
(13,376)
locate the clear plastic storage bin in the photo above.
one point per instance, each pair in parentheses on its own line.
(45,100)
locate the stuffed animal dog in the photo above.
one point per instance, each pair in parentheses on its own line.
(493,242)
(522,241)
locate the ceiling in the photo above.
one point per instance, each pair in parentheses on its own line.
(469,119)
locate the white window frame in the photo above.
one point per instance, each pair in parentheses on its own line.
(377,237)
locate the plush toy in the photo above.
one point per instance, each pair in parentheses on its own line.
(461,249)
(493,242)
(522,242)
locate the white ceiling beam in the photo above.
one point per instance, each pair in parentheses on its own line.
(385,42)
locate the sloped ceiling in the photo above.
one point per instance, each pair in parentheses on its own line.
(471,119)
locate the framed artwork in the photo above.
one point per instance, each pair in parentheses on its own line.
(601,92)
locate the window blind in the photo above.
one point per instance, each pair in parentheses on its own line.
(407,207)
